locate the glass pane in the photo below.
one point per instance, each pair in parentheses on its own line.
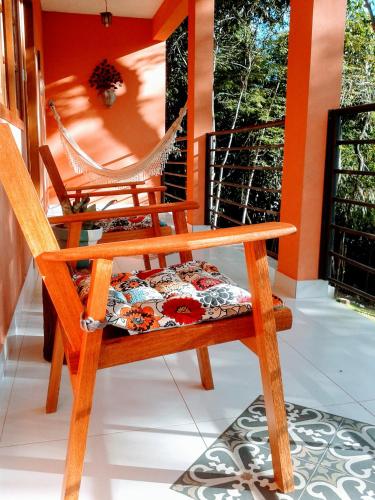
(3,85)
(17,56)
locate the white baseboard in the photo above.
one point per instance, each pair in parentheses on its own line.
(12,344)
(299,289)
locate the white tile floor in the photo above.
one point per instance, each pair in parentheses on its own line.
(151,419)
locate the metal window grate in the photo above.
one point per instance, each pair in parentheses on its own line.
(347,258)
(244,168)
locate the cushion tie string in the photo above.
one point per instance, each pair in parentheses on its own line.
(90,324)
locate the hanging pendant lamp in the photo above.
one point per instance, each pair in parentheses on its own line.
(106,16)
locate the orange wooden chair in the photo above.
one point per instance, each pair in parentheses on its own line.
(81,322)
(121,228)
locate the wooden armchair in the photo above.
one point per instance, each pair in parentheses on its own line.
(86,342)
(119,230)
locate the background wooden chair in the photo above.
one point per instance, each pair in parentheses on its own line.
(120,232)
(80,328)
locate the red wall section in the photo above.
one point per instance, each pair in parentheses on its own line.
(73,45)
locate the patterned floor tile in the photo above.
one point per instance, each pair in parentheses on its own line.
(246,474)
(329,485)
(353,451)
(310,431)
(333,458)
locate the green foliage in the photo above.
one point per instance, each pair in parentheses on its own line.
(250,62)
(359,57)
(249,87)
(251,45)
(357,88)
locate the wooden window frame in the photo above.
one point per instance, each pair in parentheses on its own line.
(10,113)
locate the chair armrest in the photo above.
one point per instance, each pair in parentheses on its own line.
(124,212)
(130,191)
(105,186)
(175,243)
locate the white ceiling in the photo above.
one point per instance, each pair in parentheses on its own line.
(126,8)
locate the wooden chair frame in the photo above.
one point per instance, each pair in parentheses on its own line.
(62,191)
(86,352)
(64,195)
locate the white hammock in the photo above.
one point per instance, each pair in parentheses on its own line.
(152,164)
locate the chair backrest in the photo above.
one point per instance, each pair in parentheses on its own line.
(54,175)
(23,196)
(39,236)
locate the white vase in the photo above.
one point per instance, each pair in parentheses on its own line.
(109,97)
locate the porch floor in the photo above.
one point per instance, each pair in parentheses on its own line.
(151,420)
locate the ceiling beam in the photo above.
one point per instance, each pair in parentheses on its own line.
(168,17)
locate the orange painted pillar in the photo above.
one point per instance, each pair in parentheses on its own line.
(200,89)
(315,59)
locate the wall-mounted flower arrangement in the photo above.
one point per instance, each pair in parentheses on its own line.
(106,79)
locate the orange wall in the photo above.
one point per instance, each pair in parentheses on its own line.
(73,45)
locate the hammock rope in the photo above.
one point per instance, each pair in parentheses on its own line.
(151,164)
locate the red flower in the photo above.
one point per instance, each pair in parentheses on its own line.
(140,319)
(204,283)
(184,310)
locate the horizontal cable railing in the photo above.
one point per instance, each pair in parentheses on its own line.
(348,230)
(174,176)
(244,168)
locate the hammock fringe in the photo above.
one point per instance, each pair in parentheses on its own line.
(152,164)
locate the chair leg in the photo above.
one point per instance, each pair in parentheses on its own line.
(83,396)
(277,425)
(205,368)
(55,372)
(162,260)
(147,262)
(268,353)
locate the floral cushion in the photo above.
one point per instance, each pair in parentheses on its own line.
(183,294)
(126,223)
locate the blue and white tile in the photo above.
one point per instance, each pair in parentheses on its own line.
(333,459)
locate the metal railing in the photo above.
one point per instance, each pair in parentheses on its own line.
(174,176)
(244,168)
(348,240)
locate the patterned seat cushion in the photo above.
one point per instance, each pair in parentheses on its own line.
(126,223)
(183,294)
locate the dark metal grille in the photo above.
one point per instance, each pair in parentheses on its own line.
(174,176)
(244,168)
(348,237)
